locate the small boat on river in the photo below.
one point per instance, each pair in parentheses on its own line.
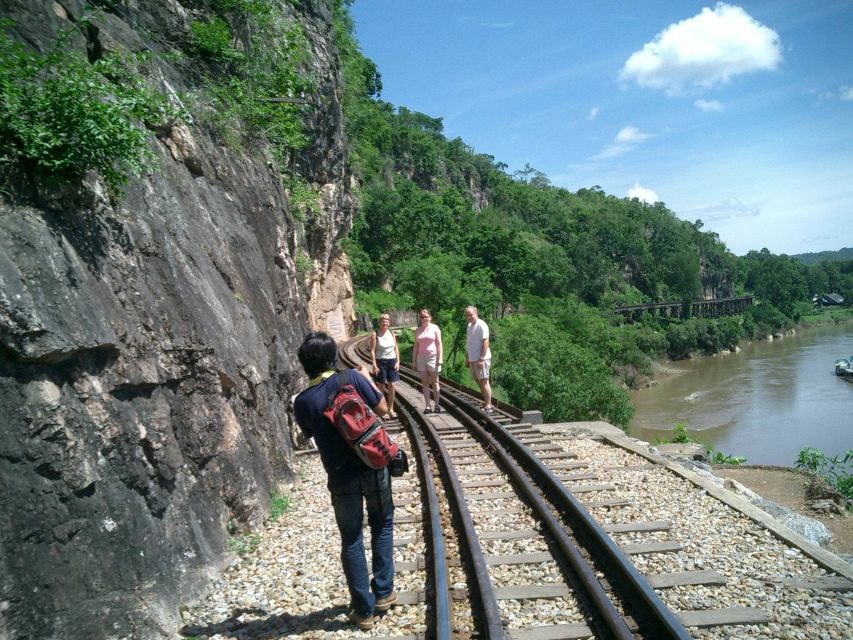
(844,367)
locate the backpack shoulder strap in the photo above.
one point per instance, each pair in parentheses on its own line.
(341,378)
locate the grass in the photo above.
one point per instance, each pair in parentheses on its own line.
(279,505)
(826,315)
(244,544)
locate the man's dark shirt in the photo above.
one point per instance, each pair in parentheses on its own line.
(338,458)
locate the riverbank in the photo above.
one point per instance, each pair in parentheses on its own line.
(767,402)
(787,487)
(663,369)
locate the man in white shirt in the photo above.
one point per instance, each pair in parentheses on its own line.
(478,357)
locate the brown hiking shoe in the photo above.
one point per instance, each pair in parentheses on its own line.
(365,624)
(383,604)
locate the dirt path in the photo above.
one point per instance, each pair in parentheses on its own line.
(788,488)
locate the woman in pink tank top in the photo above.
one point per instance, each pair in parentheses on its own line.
(427,359)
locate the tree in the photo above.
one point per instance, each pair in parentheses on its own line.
(509,259)
(544,370)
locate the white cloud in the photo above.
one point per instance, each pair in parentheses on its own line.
(846,93)
(643,194)
(708,105)
(705,50)
(593,113)
(627,138)
(725,210)
(631,135)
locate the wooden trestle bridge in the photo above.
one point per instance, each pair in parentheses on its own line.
(696,308)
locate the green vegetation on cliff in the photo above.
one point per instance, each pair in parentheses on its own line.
(62,115)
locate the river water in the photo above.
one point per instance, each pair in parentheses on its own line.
(765,403)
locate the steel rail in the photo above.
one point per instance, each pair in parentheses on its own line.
(483,596)
(473,394)
(653,617)
(602,615)
(441,611)
(439,623)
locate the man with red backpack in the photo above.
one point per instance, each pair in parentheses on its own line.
(352,483)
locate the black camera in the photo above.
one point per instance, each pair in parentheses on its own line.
(400,464)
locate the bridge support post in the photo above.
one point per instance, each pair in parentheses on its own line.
(533,416)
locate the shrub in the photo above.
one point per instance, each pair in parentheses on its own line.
(543,369)
(279,505)
(259,97)
(379,301)
(766,319)
(212,40)
(837,471)
(62,116)
(681,340)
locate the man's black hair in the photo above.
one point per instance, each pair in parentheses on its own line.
(317,353)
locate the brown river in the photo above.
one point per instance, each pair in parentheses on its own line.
(765,403)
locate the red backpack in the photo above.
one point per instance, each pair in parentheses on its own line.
(358,425)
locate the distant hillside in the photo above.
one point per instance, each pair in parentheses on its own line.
(841,255)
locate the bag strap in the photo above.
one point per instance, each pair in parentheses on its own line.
(341,378)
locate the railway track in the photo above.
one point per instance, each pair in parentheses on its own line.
(520,527)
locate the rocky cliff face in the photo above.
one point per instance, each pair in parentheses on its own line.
(147,349)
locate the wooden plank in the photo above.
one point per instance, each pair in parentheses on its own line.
(617,502)
(628,527)
(717,617)
(554,456)
(498,495)
(824,583)
(535,439)
(406,502)
(635,467)
(483,483)
(667,580)
(526,432)
(410,597)
(551,632)
(520,558)
(651,547)
(586,488)
(408,519)
(398,542)
(545,447)
(508,535)
(466,453)
(477,460)
(578,476)
(567,465)
(463,444)
(497,512)
(480,472)
(532,591)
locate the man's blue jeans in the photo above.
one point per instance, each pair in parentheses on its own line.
(374,488)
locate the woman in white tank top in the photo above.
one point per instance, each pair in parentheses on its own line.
(386,361)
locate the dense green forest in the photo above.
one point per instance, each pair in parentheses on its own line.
(442,226)
(842,255)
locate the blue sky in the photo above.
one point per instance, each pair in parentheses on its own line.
(738,114)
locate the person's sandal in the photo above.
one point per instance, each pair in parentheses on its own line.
(393,415)
(428,410)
